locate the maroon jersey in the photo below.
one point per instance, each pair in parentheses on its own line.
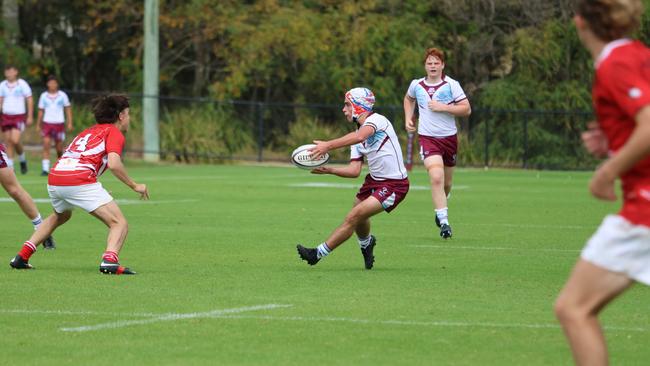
(87,156)
(621,88)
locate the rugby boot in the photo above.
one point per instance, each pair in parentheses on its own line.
(310,255)
(368,256)
(437,221)
(49,243)
(108,267)
(19,263)
(445,231)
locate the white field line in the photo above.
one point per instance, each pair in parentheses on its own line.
(534,226)
(118,201)
(75,313)
(172,317)
(497,248)
(448,324)
(356,186)
(222,314)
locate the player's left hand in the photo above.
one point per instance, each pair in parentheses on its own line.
(321,170)
(321,149)
(602,184)
(69,127)
(436,106)
(30,120)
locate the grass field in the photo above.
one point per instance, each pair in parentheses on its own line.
(220,282)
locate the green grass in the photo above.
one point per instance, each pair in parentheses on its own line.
(223,237)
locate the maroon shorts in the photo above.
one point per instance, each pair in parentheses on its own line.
(11,121)
(389,192)
(3,157)
(447,147)
(55,130)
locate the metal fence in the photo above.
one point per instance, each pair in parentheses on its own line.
(531,138)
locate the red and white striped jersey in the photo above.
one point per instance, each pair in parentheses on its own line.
(86,158)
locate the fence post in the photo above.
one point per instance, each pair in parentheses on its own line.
(525,132)
(487,143)
(260,131)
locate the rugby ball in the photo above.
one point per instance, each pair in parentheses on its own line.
(301,157)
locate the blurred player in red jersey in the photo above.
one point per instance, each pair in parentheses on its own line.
(54,117)
(618,254)
(440,99)
(73,183)
(14,94)
(17,192)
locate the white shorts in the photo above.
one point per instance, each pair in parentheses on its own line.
(89,197)
(620,246)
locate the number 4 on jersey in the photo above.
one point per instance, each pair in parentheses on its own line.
(81,142)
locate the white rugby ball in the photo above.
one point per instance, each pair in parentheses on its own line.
(301,157)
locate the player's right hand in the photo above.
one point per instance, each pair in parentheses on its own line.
(142,189)
(595,140)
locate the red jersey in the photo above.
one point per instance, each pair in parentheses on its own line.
(621,89)
(86,157)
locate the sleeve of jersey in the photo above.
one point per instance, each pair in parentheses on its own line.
(457,93)
(411,90)
(355,155)
(27,89)
(115,142)
(629,88)
(41,101)
(66,100)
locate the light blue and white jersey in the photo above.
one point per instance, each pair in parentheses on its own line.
(448,91)
(14,95)
(381,149)
(53,106)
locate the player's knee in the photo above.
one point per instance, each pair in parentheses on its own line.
(62,218)
(352,219)
(436,176)
(15,192)
(567,312)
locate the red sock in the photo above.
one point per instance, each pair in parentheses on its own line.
(110,256)
(28,249)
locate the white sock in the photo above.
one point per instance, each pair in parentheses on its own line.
(22,158)
(46,165)
(441,214)
(37,221)
(323,250)
(10,163)
(364,242)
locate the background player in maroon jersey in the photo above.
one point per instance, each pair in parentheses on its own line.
(618,254)
(19,194)
(73,183)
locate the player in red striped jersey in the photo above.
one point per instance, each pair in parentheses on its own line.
(73,183)
(618,254)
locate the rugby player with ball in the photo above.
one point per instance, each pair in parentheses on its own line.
(385,186)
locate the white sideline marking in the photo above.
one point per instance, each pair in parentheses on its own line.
(171,317)
(418,323)
(351,186)
(496,248)
(534,226)
(118,201)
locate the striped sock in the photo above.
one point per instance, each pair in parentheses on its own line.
(37,221)
(28,249)
(364,242)
(323,250)
(110,256)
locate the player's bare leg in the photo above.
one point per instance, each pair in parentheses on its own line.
(436,169)
(449,177)
(16,147)
(585,294)
(47,142)
(111,215)
(360,213)
(42,234)
(367,241)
